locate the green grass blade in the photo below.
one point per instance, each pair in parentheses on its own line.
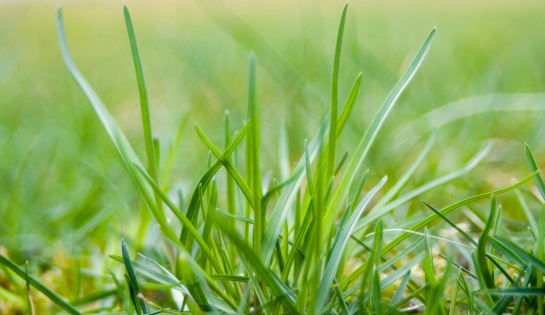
(185,222)
(144,102)
(255,283)
(408,174)
(193,283)
(278,288)
(481,247)
(398,295)
(517,292)
(192,209)
(452,224)
(132,276)
(348,106)
(336,252)
(524,255)
(305,226)
(253,172)
(533,167)
(454,295)
(127,153)
(374,285)
(54,297)
(236,217)
(376,213)
(228,166)
(371,133)
(280,211)
(335,98)
(449,209)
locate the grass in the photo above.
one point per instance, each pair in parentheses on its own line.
(351,227)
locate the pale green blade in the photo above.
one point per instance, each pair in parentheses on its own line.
(371,134)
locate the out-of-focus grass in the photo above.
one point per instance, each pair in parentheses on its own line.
(63,185)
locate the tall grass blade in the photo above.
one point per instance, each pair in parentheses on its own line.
(335,98)
(144,102)
(127,153)
(371,133)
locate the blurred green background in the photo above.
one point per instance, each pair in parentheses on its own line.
(64,189)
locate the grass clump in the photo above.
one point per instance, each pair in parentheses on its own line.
(318,241)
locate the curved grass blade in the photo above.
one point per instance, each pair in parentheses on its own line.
(371,133)
(533,167)
(403,180)
(39,286)
(481,247)
(236,217)
(255,284)
(378,212)
(449,209)
(127,153)
(193,283)
(452,224)
(336,252)
(335,98)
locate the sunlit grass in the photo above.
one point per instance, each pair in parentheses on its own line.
(340,231)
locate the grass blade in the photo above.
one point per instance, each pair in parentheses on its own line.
(481,247)
(192,209)
(451,208)
(336,252)
(54,297)
(135,287)
(127,153)
(335,98)
(371,133)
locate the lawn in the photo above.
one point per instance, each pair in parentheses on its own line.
(233,187)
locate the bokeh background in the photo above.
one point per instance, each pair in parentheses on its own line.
(65,195)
